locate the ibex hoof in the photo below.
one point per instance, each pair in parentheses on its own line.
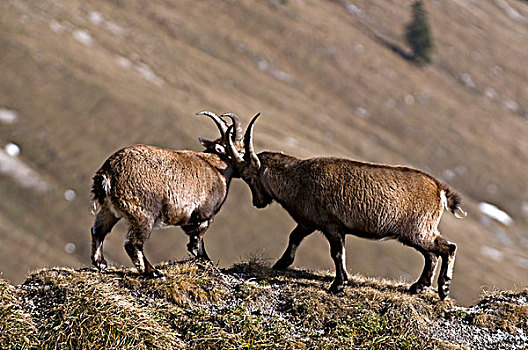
(443,290)
(336,288)
(100,265)
(281,265)
(193,249)
(155,274)
(416,288)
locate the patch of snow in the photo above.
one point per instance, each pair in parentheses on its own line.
(57,27)
(21,173)
(448,174)
(511,12)
(490,93)
(492,253)
(485,221)
(495,213)
(362,112)
(424,97)
(524,241)
(95,17)
(143,69)
(492,189)
(503,237)
(521,262)
(511,105)
(123,62)
(113,28)
(496,70)
(281,75)
(70,195)
(291,141)
(524,208)
(147,73)
(352,9)
(84,37)
(12,150)
(8,116)
(359,48)
(390,102)
(467,80)
(69,247)
(263,64)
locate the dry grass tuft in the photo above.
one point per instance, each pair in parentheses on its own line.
(17,329)
(249,305)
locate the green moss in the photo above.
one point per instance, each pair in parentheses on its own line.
(250,306)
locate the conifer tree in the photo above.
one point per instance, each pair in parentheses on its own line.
(418,34)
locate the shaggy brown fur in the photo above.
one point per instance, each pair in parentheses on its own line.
(340,196)
(155,187)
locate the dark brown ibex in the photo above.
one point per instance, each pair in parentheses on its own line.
(340,196)
(155,187)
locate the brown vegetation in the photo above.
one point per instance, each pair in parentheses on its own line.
(329,82)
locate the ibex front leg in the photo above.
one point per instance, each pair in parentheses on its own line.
(337,250)
(196,245)
(296,237)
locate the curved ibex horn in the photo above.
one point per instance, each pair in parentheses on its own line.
(237,136)
(231,149)
(220,123)
(248,143)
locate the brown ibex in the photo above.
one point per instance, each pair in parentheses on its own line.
(153,187)
(340,196)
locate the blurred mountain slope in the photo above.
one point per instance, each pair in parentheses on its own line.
(330,78)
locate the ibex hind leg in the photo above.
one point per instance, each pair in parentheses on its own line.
(104,222)
(447,251)
(135,240)
(425,280)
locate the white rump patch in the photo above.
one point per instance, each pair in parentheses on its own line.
(106,184)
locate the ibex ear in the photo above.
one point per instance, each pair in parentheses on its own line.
(206,143)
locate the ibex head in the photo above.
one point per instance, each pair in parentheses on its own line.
(248,163)
(218,146)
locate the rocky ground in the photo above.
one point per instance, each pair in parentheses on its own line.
(248,305)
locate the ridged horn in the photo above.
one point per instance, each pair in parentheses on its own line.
(248,143)
(237,135)
(231,149)
(220,123)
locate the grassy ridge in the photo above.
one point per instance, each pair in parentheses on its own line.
(246,306)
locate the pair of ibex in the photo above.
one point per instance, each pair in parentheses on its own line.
(155,187)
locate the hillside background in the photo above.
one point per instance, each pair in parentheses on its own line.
(80,79)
